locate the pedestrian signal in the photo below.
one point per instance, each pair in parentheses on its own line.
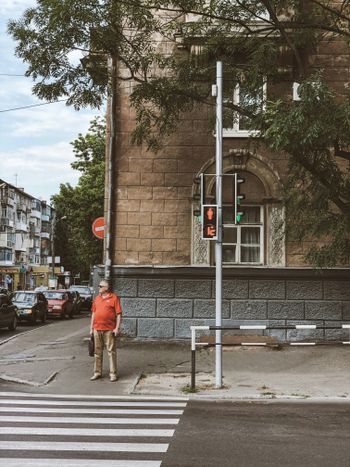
(210,222)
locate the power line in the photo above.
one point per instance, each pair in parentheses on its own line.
(33,105)
(9,74)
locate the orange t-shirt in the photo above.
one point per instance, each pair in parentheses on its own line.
(105,310)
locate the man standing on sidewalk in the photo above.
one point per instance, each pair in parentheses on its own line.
(105,322)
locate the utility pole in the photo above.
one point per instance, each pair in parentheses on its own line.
(53,247)
(218,243)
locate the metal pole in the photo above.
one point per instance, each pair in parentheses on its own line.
(193,359)
(218,244)
(112,64)
(53,246)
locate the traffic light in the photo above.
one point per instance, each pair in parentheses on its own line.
(210,222)
(238,196)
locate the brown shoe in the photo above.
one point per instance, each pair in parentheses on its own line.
(113,378)
(95,376)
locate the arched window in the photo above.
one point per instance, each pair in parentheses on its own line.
(259,237)
(243,243)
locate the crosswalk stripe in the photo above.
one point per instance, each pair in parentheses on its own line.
(33,426)
(14,430)
(80,446)
(91,411)
(88,397)
(39,462)
(89,420)
(89,403)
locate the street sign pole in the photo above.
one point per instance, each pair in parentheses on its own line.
(218,244)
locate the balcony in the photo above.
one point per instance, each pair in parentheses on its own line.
(22,207)
(5,221)
(35,213)
(6,257)
(21,226)
(45,218)
(8,201)
(45,234)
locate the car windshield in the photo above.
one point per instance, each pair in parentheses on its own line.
(23,297)
(54,295)
(81,289)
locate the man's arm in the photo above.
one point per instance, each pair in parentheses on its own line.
(92,323)
(117,326)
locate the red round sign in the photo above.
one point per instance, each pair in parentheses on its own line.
(98,227)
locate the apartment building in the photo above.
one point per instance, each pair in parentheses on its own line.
(163,269)
(25,238)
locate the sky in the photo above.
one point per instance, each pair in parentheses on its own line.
(35,150)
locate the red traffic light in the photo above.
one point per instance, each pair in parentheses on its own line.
(210,222)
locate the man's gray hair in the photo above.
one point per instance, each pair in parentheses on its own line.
(104,282)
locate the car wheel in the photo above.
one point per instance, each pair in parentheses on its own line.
(14,323)
(63,314)
(34,318)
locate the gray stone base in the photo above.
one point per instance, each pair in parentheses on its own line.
(163,302)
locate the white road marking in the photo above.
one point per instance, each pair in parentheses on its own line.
(39,462)
(90,403)
(85,396)
(79,446)
(91,411)
(90,420)
(15,430)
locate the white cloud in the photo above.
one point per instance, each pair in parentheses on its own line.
(52,118)
(39,169)
(34,143)
(15,6)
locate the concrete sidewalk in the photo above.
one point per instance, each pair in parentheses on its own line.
(54,359)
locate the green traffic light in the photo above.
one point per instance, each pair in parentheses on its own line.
(238,217)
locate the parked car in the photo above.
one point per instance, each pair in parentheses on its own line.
(60,303)
(8,313)
(31,305)
(85,294)
(77,301)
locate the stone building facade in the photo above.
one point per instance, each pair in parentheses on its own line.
(162,269)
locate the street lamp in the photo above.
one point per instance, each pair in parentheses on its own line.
(53,277)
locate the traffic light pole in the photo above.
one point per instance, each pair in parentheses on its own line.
(218,243)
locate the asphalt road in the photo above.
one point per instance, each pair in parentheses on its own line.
(231,434)
(24,326)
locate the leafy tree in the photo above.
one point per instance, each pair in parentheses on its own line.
(80,205)
(254,46)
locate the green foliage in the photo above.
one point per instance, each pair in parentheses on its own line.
(317,191)
(168,80)
(75,243)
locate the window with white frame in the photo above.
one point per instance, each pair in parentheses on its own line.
(236,124)
(243,243)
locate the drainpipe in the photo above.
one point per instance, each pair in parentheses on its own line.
(112,68)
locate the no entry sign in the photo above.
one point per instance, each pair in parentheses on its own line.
(98,227)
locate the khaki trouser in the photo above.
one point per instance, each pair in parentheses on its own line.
(102,339)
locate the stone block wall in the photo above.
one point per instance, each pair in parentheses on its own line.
(162,303)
